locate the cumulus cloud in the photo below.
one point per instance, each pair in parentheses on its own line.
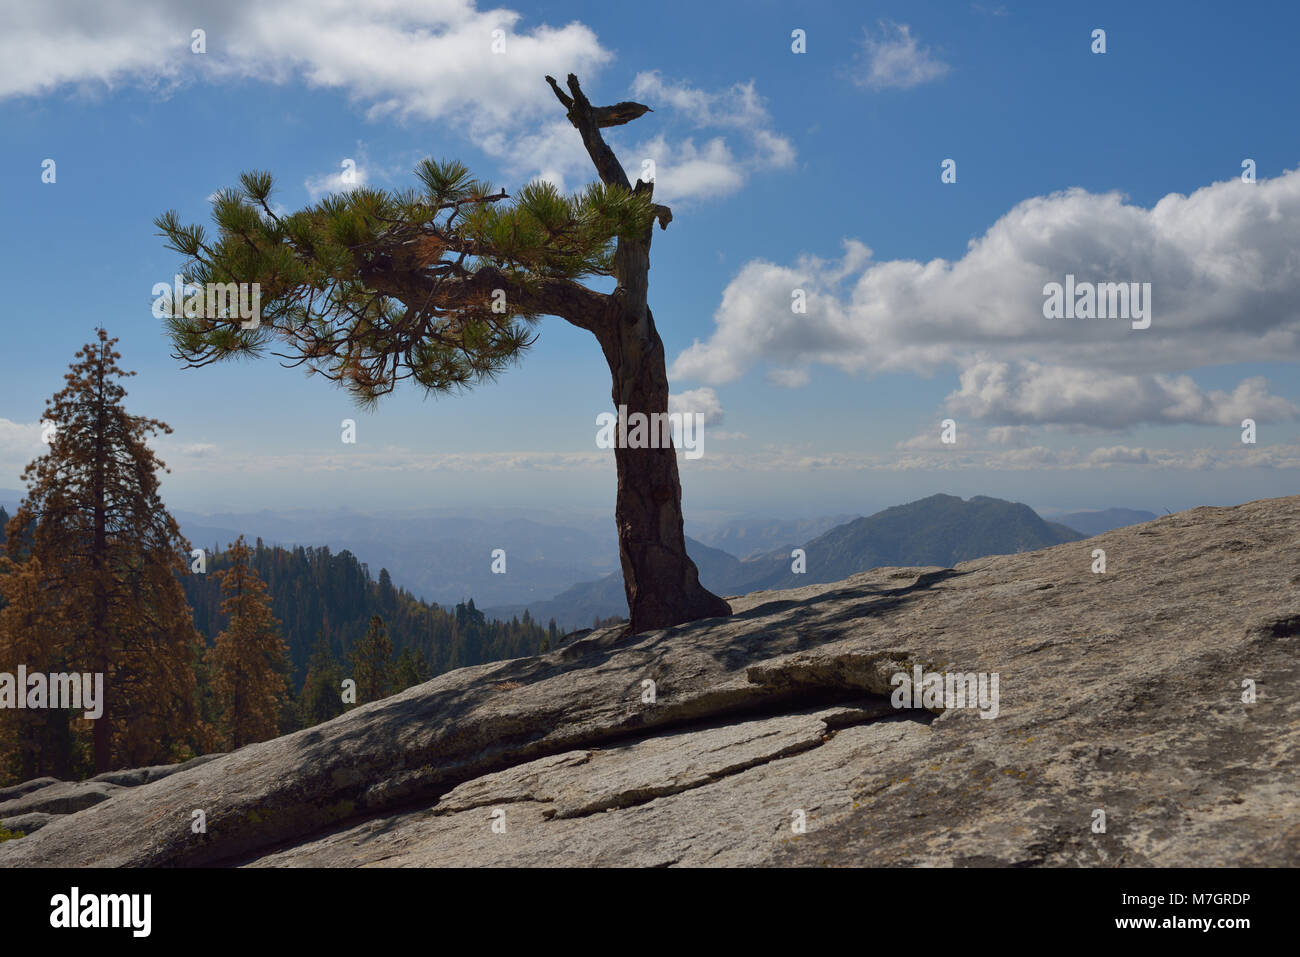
(1027,392)
(686,170)
(20,442)
(895,59)
(1221,263)
(425,58)
(445,60)
(703,400)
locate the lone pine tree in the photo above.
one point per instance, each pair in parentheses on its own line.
(248,660)
(442,285)
(109,557)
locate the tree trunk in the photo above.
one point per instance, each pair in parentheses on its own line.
(661,582)
(103,733)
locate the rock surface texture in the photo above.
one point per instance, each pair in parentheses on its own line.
(1119,692)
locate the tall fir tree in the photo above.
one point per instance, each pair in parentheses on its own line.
(110,556)
(322,692)
(372,663)
(249,660)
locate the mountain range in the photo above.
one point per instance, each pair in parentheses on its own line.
(939,530)
(746,537)
(1104,520)
(445,556)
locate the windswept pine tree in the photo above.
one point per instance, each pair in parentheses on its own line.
(371,659)
(249,660)
(109,559)
(443,284)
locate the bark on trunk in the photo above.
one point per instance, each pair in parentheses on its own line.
(103,734)
(661,582)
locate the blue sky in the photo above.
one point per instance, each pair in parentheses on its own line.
(817,170)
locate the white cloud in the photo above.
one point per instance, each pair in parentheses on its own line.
(19,435)
(686,171)
(1012,436)
(1027,392)
(352,173)
(895,59)
(770,458)
(20,443)
(930,441)
(1224,289)
(419,59)
(553,152)
(1118,455)
(427,58)
(703,400)
(683,170)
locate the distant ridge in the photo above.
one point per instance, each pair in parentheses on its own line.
(940,530)
(1094,523)
(745,538)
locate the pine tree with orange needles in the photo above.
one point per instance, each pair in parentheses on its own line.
(249,659)
(109,555)
(34,742)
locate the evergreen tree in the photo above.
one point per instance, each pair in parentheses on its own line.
(33,741)
(443,285)
(387,593)
(372,663)
(412,669)
(248,661)
(316,594)
(322,692)
(110,556)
